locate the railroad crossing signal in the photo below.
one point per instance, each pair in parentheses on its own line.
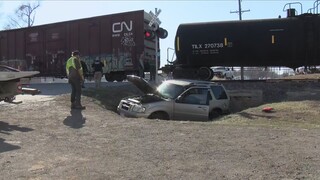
(157,33)
(149,34)
(155,18)
(162,33)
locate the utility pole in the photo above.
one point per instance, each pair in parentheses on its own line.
(240,11)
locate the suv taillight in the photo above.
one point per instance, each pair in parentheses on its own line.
(19,88)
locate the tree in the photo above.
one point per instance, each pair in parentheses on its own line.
(24,15)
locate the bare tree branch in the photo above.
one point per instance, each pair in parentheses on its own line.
(24,15)
(13,22)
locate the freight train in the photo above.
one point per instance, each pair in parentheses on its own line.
(118,40)
(292,42)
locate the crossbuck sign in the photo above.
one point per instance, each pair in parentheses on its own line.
(155,18)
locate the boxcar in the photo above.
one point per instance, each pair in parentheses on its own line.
(117,40)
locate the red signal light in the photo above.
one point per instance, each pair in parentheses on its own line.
(149,34)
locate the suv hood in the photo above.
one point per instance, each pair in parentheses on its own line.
(142,84)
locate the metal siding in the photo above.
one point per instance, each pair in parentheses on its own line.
(35,50)
(105,36)
(55,49)
(20,45)
(11,44)
(4,46)
(73,37)
(118,51)
(12,49)
(94,40)
(126,40)
(83,38)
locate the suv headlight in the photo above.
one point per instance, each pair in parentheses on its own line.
(138,108)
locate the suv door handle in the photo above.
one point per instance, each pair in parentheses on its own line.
(201,107)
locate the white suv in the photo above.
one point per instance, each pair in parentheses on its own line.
(176,99)
(222,72)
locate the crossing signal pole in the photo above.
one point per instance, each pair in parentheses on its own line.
(158,32)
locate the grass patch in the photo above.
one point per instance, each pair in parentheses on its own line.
(300,114)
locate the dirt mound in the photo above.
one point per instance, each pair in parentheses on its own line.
(304,76)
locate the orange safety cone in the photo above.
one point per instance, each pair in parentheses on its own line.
(267,109)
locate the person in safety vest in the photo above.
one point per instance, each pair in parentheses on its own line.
(76,78)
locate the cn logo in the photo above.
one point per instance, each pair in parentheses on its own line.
(119,27)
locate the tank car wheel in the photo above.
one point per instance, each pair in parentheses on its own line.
(205,73)
(119,79)
(109,77)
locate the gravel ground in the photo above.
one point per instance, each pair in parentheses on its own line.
(43,139)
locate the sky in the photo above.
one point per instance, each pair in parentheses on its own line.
(172,13)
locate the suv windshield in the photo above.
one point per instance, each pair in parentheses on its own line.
(169,90)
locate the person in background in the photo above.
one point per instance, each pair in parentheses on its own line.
(97,72)
(75,79)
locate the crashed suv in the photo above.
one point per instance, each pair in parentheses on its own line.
(176,99)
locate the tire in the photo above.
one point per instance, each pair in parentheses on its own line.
(120,77)
(109,77)
(205,73)
(159,115)
(215,113)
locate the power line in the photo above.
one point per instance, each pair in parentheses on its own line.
(240,11)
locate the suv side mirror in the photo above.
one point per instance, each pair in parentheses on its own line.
(178,100)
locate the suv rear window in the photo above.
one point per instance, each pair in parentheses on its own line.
(219,92)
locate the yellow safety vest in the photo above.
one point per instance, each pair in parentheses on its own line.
(70,63)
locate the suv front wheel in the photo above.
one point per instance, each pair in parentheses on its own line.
(159,115)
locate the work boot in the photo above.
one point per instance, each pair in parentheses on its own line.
(78,107)
(73,105)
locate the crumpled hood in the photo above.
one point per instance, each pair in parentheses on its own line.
(142,84)
(148,98)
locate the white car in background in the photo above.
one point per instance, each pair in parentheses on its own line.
(222,72)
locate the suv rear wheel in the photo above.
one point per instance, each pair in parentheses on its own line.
(215,113)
